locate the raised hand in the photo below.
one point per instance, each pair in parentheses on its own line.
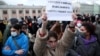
(71,26)
(44,24)
(44,18)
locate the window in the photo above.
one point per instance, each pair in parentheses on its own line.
(4,11)
(39,11)
(27,11)
(34,11)
(20,11)
(44,10)
(13,11)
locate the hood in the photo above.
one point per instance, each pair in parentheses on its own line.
(93,39)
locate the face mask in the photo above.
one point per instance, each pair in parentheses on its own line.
(13,34)
(79,24)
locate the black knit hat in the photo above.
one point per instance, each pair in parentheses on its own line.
(14,20)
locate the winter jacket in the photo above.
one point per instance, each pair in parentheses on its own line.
(98,32)
(22,41)
(41,49)
(6,33)
(84,47)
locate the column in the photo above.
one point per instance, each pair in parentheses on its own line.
(17,14)
(9,14)
(30,13)
(24,12)
(36,13)
(1,14)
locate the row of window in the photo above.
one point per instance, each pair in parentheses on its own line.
(20,11)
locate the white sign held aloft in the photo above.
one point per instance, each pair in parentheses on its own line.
(60,10)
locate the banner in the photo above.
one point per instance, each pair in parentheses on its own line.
(60,10)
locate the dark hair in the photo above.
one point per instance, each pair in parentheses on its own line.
(14,21)
(52,34)
(22,18)
(89,27)
(16,26)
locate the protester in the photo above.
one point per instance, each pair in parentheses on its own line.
(86,17)
(1,38)
(29,23)
(39,21)
(7,29)
(22,20)
(30,38)
(2,26)
(38,37)
(47,44)
(93,18)
(86,43)
(97,24)
(17,44)
(5,21)
(35,27)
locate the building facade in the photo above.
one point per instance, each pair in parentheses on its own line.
(91,9)
(15,11)
(85,8)
(18,11)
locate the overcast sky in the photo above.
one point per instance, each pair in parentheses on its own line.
(25,2)
(43,2)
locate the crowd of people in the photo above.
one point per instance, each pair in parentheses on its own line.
(40,37)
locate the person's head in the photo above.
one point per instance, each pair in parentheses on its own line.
(15,30)
(98,20)
(52,40)
(87,28)
(24,28)
(28,20)
(1,21)
(22,19)
(5,18)
(13,21)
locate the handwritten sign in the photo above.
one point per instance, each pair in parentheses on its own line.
(59,10)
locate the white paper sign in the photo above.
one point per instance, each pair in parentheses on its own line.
(59,10)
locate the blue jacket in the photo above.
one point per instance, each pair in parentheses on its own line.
(22,41)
